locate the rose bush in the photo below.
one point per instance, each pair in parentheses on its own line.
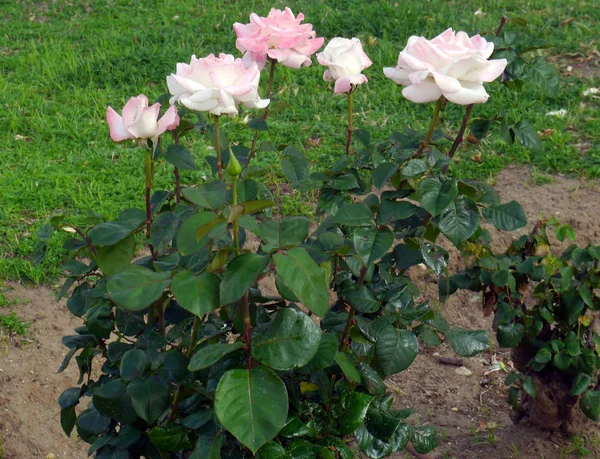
(198,361)
(139,121)
(216,85)
(346,60)
(280,36)
(452,65)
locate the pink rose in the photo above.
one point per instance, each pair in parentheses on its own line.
(346,60)
(216,85)
(279,36)
(451,65)
(139,121)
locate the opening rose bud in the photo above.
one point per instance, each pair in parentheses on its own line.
(139,121)
(452,65)
(279,36)
(216,85)
(346,60)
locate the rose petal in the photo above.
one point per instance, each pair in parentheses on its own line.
(118,132)
(421,93)
(470,93)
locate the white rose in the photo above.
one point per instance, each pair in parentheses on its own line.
(346,60)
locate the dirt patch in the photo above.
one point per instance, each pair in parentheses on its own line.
(466,405)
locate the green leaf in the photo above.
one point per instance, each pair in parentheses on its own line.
(544,75)
(580,384)
(372,243)
(171,437)
(186,236)
(257,124)
(528,386)
(252,405)
(391,210)
(92,423)
(414,168)
(109,233)
(180,157)
(163,229)
(362,300)
(211,195)
(356,214)
(248,207)
(371,380)
(435,195)
(324,356)
(112,400)
(424,439)
(460,220)
(241,274)
(113,258)
(69,397)
(468,342)
(347,366)
(68,418)
(289,231)
(544,355)
(304,278)
(510,335)
(343,182)
(506,217)
(198,294)
(395,349)
(290,340)
(383,173)
(527,135)
(150,397)
(133,364)
(590,404)
(357,405)
(135,287)
(208,446)
(209,355)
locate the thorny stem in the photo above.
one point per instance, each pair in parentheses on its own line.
(218,148)
(176,172)
(501,25)
(266,113)
(459,137)
(350,129)
(179,392)
(432,125)
(350,320)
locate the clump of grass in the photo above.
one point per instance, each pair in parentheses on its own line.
(13,324)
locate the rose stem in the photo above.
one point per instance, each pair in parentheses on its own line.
(218,148)
(350,107)
(266,113)
(432,125)
(176,172)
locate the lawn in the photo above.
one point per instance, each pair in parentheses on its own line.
(62,63)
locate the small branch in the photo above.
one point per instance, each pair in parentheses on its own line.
(247,331)
(176,172)
(89,241)
(350,129)
(459,137)
(351,314)
(432,125)
(411,449)
(450,361)
(501,25)
(266,113)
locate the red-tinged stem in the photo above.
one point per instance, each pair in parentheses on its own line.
(350,320)
(501,25)
(218,148)
(176,172)
(350,129)
(459,137)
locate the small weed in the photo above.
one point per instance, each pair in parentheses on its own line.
(540,178)
(514,450)
(13,324)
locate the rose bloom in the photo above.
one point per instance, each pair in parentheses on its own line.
(139,121)
(280,36)
(452,65)
(216,85)
(346,60)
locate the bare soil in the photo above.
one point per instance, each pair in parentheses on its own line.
(467,404)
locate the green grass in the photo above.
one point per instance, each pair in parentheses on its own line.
(12,324)
(63,63)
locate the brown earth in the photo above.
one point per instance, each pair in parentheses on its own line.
(469,411)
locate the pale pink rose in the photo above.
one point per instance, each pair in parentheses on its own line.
(452,65)
(139,121)
(279,36)
(216,85)
(346,60)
